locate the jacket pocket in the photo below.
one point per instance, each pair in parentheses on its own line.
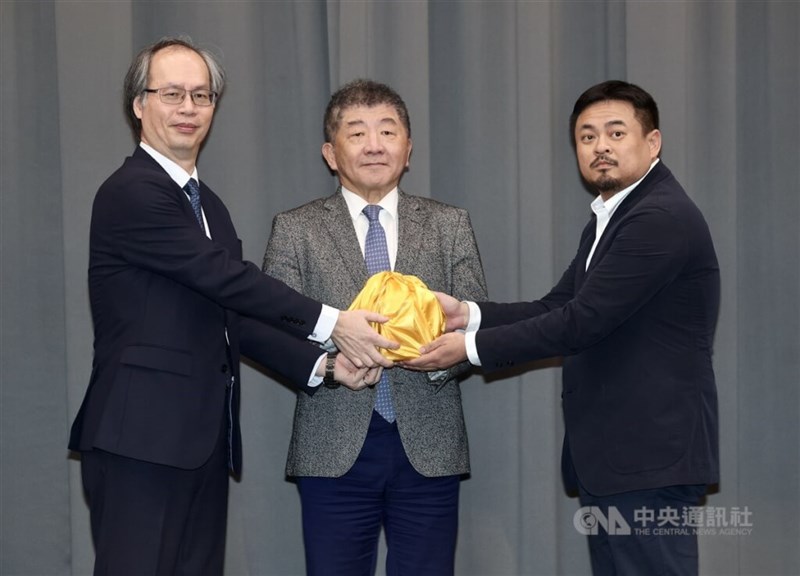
(155,358)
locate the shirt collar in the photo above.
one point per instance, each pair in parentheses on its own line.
(355,203)
(610,205)
(178,174)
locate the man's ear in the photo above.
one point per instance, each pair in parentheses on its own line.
(330,157)
(137,107)
(654,141)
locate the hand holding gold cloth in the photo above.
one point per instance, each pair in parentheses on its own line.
(416,317)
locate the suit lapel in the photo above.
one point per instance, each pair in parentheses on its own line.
(219,225)
(658,172)
(410,228)
(140,155)
(340,231)
(587,239)
(212,216)
(342,235)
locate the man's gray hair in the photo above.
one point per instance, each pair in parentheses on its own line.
(362,92)
(139,72)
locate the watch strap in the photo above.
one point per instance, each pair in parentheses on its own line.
(329,379)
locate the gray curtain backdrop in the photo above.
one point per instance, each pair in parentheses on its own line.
(489,85)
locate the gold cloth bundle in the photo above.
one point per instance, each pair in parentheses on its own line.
(416,317)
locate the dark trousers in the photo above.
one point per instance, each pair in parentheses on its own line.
(150,519)
(659,542)
(342,517)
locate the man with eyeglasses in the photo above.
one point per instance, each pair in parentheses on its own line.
(173,305)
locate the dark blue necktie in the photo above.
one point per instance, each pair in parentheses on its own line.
(193,190)
(376,255)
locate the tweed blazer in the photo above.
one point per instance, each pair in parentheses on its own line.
(314,249)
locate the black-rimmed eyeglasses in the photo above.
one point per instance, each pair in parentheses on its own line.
(175,95)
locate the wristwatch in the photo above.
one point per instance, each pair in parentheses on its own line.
(330,363)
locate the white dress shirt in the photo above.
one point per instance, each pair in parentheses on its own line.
(387,218)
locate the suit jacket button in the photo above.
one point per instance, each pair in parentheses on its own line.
(224,369)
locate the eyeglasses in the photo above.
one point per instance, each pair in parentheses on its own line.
(175,95)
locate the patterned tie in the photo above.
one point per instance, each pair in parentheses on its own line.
(193,190)
(376,255)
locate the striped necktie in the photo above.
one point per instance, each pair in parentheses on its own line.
(193,190)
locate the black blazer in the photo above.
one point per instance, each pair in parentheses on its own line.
(636,330)
(163,298)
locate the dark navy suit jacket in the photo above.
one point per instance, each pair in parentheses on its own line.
(636,331)
(163,297)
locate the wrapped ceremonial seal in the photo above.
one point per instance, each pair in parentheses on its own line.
(416,317)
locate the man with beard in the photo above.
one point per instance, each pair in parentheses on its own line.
(634,318)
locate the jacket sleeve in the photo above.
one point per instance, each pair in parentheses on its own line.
(145,219)
(647,252)
(293,358)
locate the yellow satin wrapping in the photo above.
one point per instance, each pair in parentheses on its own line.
(416,317)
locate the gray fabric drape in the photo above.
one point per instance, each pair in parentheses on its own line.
(489,86)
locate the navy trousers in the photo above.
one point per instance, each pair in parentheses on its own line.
(655,551)
(342,517)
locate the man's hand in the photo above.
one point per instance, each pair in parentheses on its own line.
(357,340)
(446,351)
(457,312)
(347,374)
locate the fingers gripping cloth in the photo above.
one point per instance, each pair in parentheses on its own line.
(416,317)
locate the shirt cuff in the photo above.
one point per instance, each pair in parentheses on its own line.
(315,380)
(325,324)
(472,349)
(474,317)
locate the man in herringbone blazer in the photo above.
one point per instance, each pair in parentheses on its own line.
(355,470)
